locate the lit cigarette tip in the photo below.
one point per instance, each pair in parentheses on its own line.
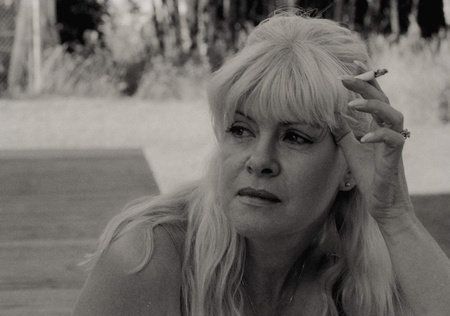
(380,72)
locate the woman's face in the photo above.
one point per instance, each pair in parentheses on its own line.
(277,177)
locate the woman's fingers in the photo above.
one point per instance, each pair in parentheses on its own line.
(365,89)
(386,135)
(363,68)
(381,112)
(359,157)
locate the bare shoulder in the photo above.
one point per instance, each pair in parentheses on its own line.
(112,290)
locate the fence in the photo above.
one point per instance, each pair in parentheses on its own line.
(22,24)
(7,23)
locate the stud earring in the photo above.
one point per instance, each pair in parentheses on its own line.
(347,184)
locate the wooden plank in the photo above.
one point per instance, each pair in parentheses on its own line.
(6,33)
(61,216)
(68,194)
(53,263)
(43,264)
(434,212)
(36,302)
(53,207)
(68,172)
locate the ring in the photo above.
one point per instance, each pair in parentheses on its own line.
(405,133)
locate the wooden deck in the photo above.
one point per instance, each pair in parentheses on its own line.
(54,204)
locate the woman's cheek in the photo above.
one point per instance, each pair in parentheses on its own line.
(232,163)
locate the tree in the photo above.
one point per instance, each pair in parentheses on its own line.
(323,8)
(75,17)
(215,33)
(404,10)
(430,17)
(193,25)
(159,29)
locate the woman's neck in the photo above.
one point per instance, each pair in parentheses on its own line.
(269,263)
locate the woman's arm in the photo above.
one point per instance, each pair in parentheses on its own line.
(421,267)
(111,290)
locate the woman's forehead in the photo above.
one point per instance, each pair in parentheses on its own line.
(316,132)
(282,115)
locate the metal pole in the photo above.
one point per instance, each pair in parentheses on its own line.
(37,83)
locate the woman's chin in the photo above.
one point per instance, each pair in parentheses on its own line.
(253,218)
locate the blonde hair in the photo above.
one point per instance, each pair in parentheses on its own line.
(287,69)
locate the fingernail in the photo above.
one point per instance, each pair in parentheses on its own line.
(357,102)
(366,137)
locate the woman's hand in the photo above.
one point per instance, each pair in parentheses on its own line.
(421,267)
(376,160)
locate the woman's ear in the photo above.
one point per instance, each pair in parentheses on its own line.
(348,182)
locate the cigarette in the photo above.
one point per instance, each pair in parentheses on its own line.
(371,74)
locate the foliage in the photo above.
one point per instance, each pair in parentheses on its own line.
(126,32)
(97,75)
(167,81)
(79,21)
(65,73)
(419,72)
(132,63)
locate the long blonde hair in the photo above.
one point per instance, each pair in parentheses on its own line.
(288,68)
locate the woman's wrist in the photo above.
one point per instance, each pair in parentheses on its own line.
(395,225)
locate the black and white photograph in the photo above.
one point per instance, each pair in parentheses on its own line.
(224,157)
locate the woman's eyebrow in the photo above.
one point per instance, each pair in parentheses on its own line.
(303,125)
(244,115)
(317,132)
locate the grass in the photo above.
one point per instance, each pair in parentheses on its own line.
(418,74)
(74,74)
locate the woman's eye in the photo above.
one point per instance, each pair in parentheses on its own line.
(295,138)
(239,131)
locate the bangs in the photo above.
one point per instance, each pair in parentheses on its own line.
(282,83)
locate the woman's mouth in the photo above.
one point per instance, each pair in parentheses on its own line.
(254,196)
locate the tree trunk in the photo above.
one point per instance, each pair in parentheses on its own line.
(404,10)
(268,6)
(361,8)
(233,24)
(430,17)
(49,32)
(193,25)
(158,30)
(394,19)
(21,47)
(338,10)
(175,19)
(381,19)
(215,32)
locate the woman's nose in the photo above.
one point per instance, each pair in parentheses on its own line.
(263,162)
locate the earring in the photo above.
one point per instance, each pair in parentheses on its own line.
(347,184)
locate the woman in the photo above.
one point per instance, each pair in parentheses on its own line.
(297,214)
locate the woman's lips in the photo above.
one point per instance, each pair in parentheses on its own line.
(259,194)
